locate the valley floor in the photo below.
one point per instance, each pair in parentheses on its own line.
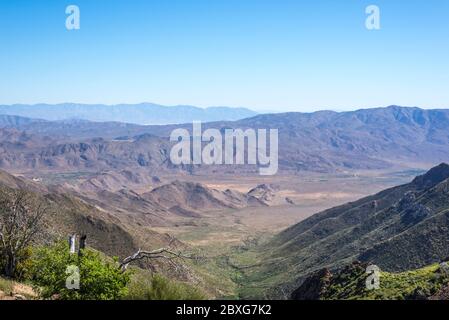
(229,237)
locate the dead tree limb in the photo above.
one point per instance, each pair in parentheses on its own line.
(21,219)
(161,253)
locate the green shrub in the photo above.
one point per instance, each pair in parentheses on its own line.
(157,287)
(99,279)
(23,263)
(6,285)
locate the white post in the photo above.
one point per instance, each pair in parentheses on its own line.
(72,243)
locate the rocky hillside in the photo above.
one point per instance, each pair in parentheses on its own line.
(349,283)
(198,197)
(21,151)
(106,231)
(399,229)
(323,141)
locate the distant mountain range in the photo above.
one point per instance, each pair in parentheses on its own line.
(144,113)
(323,141)
(398,229)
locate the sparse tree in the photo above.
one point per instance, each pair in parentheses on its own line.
(21,219)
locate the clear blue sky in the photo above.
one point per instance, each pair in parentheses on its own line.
(261,54)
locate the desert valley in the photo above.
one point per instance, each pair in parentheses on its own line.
(351,186)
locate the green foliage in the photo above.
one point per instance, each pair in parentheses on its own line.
(414,284)
(411,284)
(157,287)
(99,279)
(23,264)
(6,285)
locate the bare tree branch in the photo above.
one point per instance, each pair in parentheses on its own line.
(161,253)
(21,218)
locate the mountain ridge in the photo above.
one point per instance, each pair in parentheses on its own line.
(321,142)
(142,113)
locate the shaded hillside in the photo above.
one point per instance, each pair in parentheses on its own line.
(349,283)
(111,234)
(402,228)
(130,206)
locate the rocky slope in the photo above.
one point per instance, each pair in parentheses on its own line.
(113,234)
(198,197)
(402,228)
(350,283)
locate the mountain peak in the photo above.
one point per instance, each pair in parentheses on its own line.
(433,176)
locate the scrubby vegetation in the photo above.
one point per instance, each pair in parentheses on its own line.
(6,285)
(349,283)
(401,228)
(157,287)
(50,268)
(416,284)
(99,277)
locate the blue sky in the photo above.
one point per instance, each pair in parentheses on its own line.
(262,54)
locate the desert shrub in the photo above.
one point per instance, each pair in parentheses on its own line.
(158,287)
(99,279)
(24,264)
(6,285)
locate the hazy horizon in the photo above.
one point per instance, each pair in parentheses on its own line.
(261,111)
(262,55)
